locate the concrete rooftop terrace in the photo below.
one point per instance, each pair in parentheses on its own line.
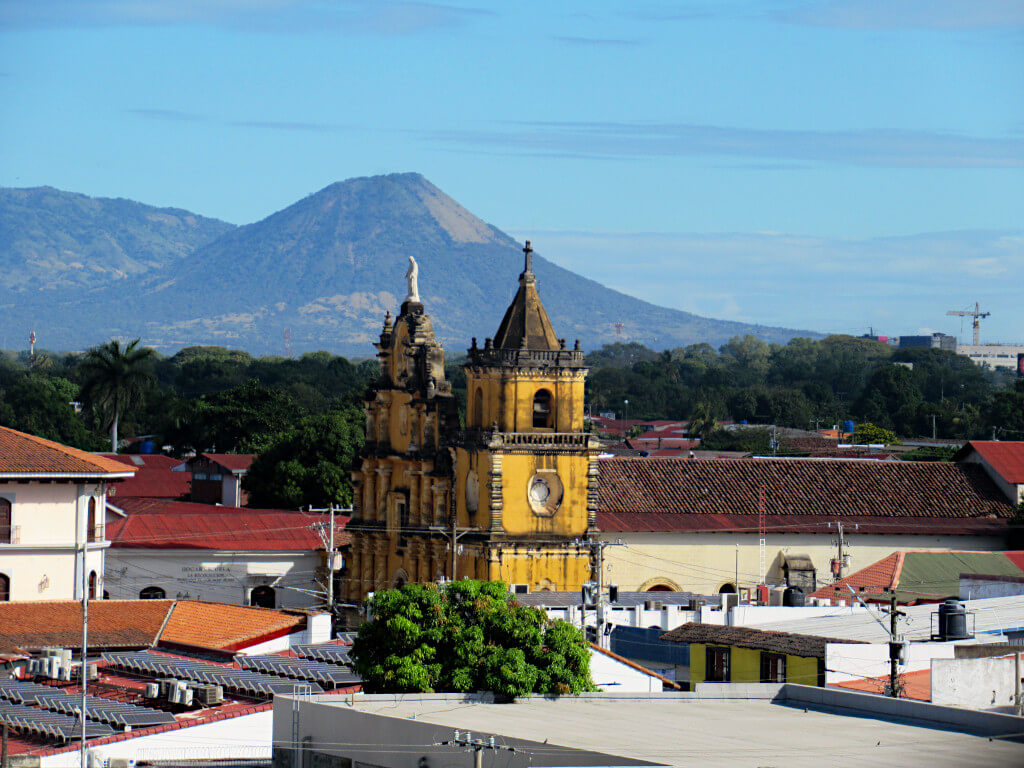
(717,726)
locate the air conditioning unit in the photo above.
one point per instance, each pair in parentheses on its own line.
(208,695)
(120,762)
(152,691)
(187,697)
(166,684)
(34,666)
(653,605)
(176,692)
(53,667)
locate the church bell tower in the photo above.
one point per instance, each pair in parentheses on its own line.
(525,470)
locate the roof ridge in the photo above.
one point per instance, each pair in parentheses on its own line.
(101,463)
(897,571)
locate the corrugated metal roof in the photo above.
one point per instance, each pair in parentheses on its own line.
(991,615)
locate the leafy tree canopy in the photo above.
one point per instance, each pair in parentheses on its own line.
(467,636)
(872,434)
(308,464)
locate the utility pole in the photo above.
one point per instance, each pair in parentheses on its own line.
(895,647)
(1018,701)
(840,569)
(328,539)
(82,676)
(477,745)
(597,557)
(933,416)
(453,535)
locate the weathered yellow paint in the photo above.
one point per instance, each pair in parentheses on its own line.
(745,665)
(420,473)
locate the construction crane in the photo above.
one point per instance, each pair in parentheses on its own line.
(977,315)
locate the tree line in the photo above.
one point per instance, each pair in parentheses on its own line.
(303,416)
(808,384)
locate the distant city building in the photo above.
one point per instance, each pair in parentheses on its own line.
(933,341)
(217,477)
(992,355)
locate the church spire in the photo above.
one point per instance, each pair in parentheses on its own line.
(526,325)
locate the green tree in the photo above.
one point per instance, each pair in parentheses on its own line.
(114,380)
(703,421)
(42,406)
(871,434)
(467,636)
(308,464)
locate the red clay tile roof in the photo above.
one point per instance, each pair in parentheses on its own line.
(226,627)
(916,685)
(877,577)
(168,524)
(1005,457)
(798,488)
(747,637)
(154,477)
(26,626)
(22,454)
(235,462)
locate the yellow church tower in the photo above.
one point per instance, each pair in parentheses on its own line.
(525,471)
(402,488)
(512,495)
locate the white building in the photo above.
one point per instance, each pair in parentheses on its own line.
(992,355)
(52,499)
(162,548)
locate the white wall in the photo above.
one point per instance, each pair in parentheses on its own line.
(225,576)
(977,589)
(985,683)
(855,661)
(48,521)
(613,676)
(247,736)
(705,562)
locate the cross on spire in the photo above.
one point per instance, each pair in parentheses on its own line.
(529,257)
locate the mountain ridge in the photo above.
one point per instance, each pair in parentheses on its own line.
(328,266)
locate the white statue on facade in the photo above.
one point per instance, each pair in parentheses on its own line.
(412,276)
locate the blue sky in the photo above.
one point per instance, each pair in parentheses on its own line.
(831,165)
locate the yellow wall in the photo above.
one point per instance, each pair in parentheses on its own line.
(745,665)
(506,397)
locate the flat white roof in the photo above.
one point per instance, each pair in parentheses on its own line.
(678,730)
(992,616)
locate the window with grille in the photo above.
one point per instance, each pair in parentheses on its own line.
(716,669)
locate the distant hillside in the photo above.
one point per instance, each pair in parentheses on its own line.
(327,268)
(52,240)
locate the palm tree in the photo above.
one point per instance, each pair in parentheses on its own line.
(702,420)
(114,380)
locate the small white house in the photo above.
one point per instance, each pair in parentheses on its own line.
(162,548)
(52,499)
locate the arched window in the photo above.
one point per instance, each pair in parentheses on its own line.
(5,521)
(262,597)
(90,523)
(152,593)
(478,406)
(542,416)
(5,587)
(92,585)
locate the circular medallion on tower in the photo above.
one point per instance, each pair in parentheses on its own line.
(472,492)
(544,492)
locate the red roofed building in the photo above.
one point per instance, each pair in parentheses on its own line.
(1003,461)
(52,498)
(173,549)
(155,477)
(693,524)
(217,477)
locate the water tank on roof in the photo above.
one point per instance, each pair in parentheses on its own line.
(147,446)
(793,597)
(953,620)
(849,426)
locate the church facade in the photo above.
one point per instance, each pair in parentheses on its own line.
(509,492)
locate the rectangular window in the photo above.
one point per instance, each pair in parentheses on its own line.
(215,477)
(716,668)
(198,475)
(773,668)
